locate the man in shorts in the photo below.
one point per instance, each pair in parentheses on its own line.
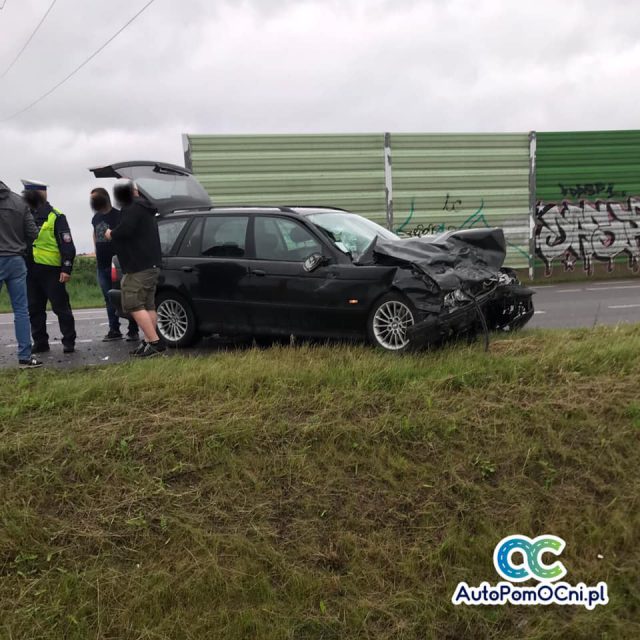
(136,242)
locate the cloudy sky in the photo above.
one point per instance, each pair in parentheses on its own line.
(299,66)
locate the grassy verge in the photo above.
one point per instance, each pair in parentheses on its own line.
(319,492)
(83,287)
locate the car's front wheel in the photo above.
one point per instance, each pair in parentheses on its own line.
(388,322)
(176,320)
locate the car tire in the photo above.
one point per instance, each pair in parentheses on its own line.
(388,319)
(176,320)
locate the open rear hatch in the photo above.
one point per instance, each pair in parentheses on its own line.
(166,186)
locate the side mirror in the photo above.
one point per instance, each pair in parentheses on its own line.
(314,261)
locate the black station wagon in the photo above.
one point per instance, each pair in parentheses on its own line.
(266,271)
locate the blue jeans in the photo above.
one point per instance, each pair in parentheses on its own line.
(104,280)
(13,272)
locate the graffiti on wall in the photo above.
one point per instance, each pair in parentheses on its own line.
(475,220)
(439,227)
(450,204)
(592,190)
(589,231)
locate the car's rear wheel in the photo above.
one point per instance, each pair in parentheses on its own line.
(176,320)
(388,322)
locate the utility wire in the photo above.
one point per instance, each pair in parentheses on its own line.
(80,66)
(26,44)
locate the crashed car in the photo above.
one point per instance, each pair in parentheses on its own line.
(321,272)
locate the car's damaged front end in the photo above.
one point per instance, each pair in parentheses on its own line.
(457,284)
(501,304)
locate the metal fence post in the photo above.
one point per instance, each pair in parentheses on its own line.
(532,203)
(186,147)
(388,180)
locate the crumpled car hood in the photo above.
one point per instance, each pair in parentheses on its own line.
(452,260)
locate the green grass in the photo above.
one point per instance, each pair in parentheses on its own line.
(319,493)
(83,287)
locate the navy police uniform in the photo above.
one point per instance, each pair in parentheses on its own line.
(52,253)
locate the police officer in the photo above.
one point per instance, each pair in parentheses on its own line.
(50,266)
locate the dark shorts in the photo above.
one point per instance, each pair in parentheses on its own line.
(139,290)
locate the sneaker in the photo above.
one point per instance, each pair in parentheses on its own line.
(139,349)
(31,363)
(133,337)
(112,336)
(40,348)
(68,348)
(152,349)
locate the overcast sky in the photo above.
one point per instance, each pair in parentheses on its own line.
(299,66)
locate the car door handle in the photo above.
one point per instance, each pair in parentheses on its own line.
(258,272)
(188,269)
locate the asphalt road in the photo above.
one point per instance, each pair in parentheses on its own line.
(557,306)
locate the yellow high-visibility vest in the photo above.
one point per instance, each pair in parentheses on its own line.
(45,246)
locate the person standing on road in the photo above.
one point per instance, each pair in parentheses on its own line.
(106,217)
(50,266)
(17,231)
(137,245)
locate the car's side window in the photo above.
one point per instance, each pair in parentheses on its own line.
(225,236)
(284,240)
(169,230)
(192,243)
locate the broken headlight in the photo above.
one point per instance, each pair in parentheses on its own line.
(456,298)
(506,279)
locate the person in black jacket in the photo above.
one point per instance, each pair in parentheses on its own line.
(137,245)
(17,231)
(106,217)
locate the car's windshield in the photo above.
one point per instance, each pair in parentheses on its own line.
(350,232)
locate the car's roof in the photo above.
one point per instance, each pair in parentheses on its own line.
(227,209)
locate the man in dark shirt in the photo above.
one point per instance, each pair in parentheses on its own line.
(106,217)
(50,265)
(137,244)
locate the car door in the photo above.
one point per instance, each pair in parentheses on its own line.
(286,298)
(215,271)
(171,230)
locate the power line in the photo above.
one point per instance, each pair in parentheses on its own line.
(26,44)
(80,66)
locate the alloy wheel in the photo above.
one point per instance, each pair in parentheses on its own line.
(173,321)
(390,324)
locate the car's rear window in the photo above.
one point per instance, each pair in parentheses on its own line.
(225,236)
(169,231)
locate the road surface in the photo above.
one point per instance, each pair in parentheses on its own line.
(557,306)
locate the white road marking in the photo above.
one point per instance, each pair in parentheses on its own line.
(50,322)
(624,306)
(13,346)
(605,283)
(631,286)
(568,290)
(539,312)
